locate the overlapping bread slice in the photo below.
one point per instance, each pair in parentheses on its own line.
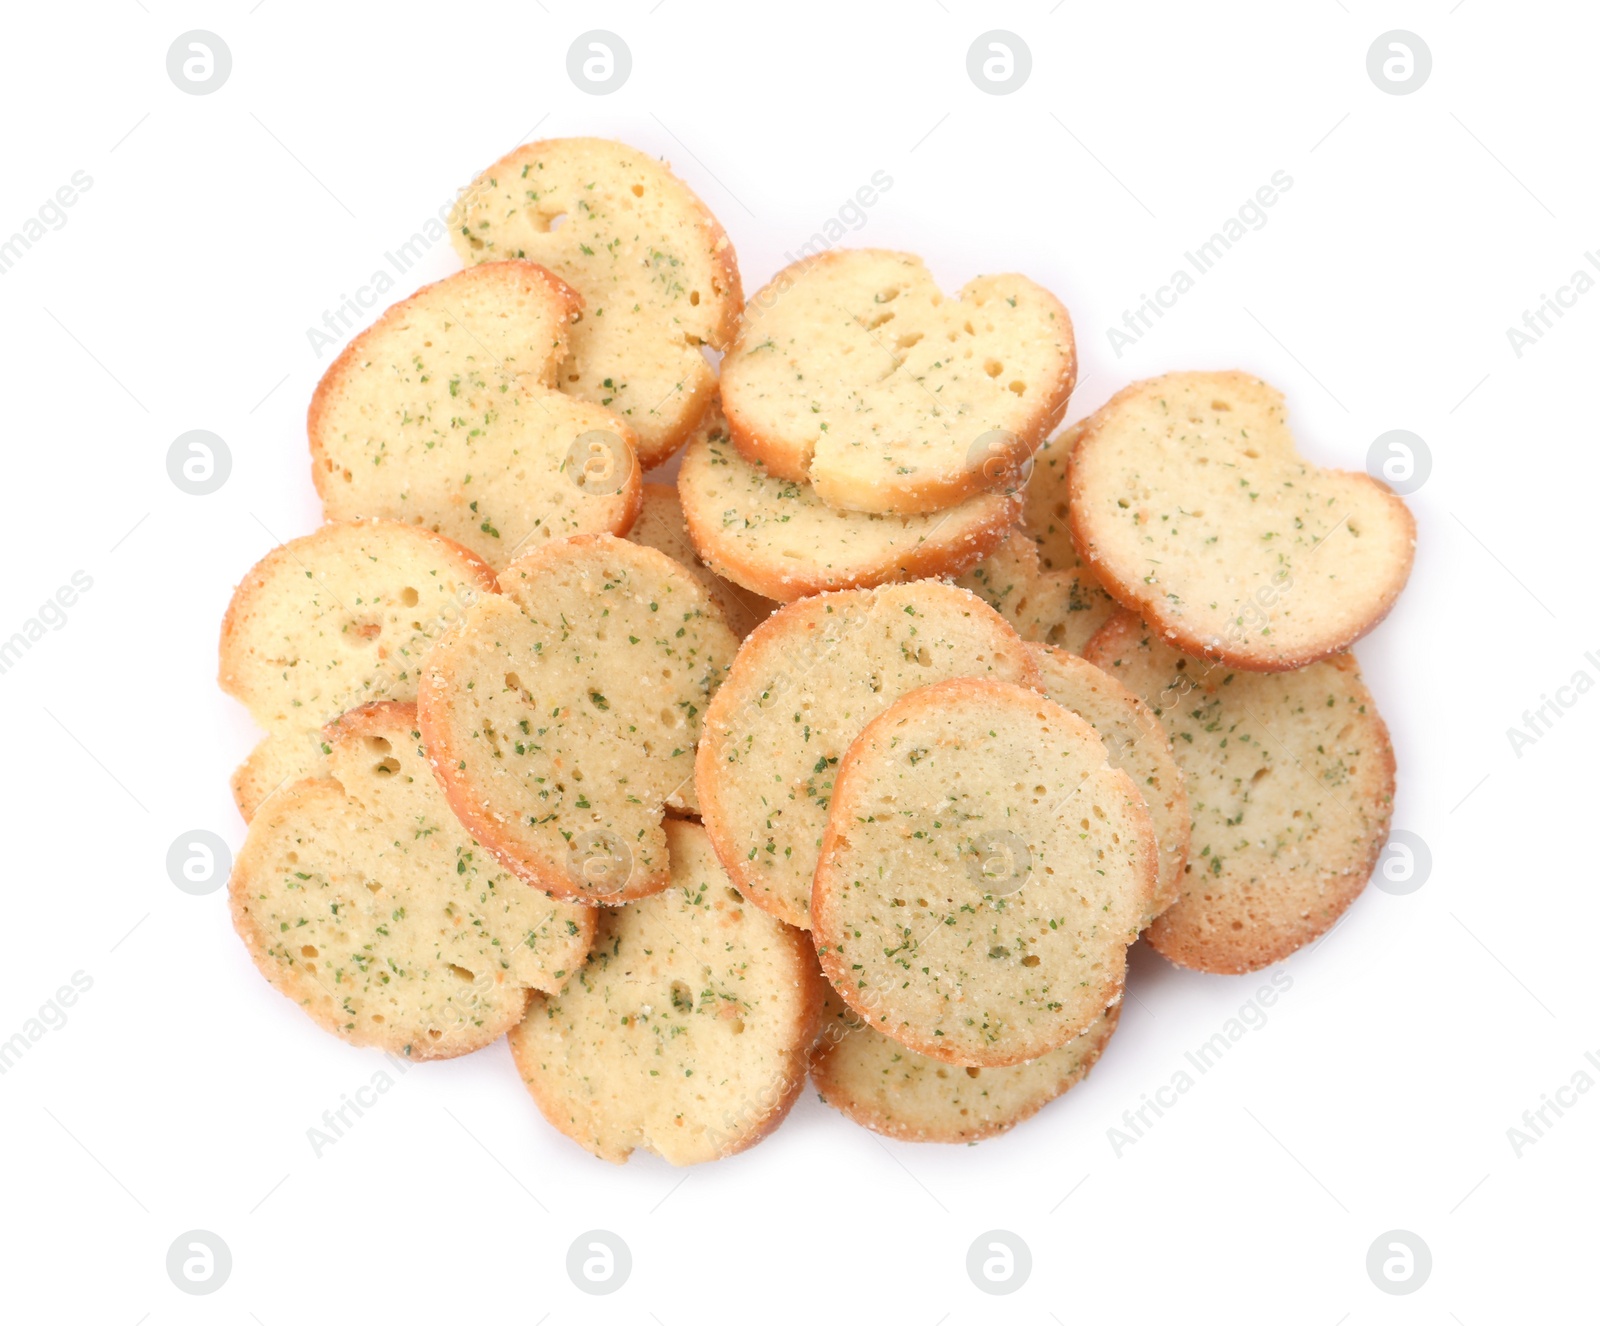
(982,875)
(656,272)
(444,414)
(1192,506)
(778,538)
(1290,778)
(687,1031)
(562,713)
(1045,520)
(329,622)
(853,370)
(805,683)
(661,526)
(908,1096)
(362,899)
(1136,743)
(1061,608)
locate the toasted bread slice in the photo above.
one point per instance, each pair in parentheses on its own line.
(329,622)
(1290,779)
(562,714)
(905,1095)
(661,526)
(1137,744)
(806,682)
(1192,507)
(778,538)
(853,370)
(361,899)
(687,1032)
(444,414)
(656,272)
(982,875)
(1060,608)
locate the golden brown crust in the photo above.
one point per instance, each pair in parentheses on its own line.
(785,637)
(1229,920)
(843,549)
(1005,459)
(1150,598)
(492,822)
(883,1104)
(830,928)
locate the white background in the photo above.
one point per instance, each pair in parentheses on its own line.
(1379,1093)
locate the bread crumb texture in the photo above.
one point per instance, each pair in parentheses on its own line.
(1192,506)
(330,622)
(687,1032)
(854,370)
(805,684)
(444,414)
(1136,743)
(777,537)
(983,872)
(656,272)
(562,714)
(883,1086)
(362,899)
(1061,608)
(1290,778)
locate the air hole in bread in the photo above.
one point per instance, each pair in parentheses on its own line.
(994,368)
(694,298)
(924,657)
(513,682)
(1259,774)
(1017,387)
(638,191)
(906,340)
(556,222)
(886,294)
(1032,960)
(734,895)
(877,320)
(972,1072)
(408,596)
(308,951)
(378,745)
(460,973)
(1221,406)
(387,767)
(682,997)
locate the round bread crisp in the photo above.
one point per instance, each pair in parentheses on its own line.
(444,414)
(1137,744)
(853,370)
(361,899)
(983,872)
(778,538)
(908,1096)
(1061,608)
(661,526)
(1290,779)
(687,1032)
(329,622)
(1045,520)
(562,714)
(656,272)
(1192,507)
(806,682)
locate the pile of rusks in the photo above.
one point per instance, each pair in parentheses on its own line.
(864,751)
